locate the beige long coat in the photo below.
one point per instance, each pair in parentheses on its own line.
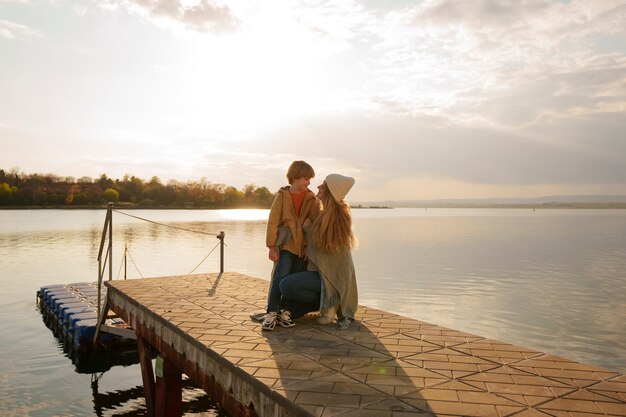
(338,278)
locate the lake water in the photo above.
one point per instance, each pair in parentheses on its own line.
(551,280)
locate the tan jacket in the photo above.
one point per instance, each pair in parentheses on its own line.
(282,213)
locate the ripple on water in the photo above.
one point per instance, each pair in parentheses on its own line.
(552,281)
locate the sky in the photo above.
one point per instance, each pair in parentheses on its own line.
(432,99)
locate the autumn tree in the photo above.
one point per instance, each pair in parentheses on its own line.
(111,195)
(5,191)
(48,190)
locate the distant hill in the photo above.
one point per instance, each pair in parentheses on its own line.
(576,201)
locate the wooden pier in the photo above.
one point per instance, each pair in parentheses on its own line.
(383,365)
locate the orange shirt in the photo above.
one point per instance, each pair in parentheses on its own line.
(297,201)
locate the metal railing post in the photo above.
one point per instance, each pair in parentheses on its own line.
(221,238)
(107,257)
(110,214)
(99,283)
(125,254)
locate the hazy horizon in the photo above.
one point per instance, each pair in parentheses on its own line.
(425,99)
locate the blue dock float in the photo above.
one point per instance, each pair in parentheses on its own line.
(71,311)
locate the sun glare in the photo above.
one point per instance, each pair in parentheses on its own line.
(253,79)
(243,214)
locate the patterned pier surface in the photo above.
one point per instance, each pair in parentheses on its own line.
(383,365)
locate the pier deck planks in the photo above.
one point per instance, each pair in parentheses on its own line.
(384,365)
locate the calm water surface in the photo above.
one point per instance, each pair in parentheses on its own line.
(552,280)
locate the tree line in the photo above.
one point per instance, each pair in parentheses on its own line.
(18,189)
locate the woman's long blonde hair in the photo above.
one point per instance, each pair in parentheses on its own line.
(332,230)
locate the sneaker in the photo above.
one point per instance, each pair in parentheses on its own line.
(284,319)
(344,322)
(328,316)
(269,322)
(257,316)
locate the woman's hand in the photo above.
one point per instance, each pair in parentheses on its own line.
(307,222)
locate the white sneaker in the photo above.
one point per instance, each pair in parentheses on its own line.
(269,322)
(284,319)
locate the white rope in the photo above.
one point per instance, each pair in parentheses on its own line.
(172,227)
(201,262)
(121,264)
(165,225)
(133,261)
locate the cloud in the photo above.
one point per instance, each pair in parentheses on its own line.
(593,86)
(453,96)
(13,31)
(525,19)
(383,147)
(433,56)
(205,16)
(201,16)
(434,188)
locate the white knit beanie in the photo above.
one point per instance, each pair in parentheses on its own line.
(339,185)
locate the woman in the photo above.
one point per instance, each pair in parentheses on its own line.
(329,284)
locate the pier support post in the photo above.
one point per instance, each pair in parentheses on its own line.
(147,375)
(169,386)
(169,389)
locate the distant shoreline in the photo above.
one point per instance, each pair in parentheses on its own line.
(542,206)
(360,206)
(555,205)
(128,207)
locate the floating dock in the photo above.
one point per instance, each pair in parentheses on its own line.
(70,311)
(383,365)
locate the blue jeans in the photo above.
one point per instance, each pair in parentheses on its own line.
(301,292)
(288,263)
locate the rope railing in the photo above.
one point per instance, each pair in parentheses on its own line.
(166,225)
(127,254)
(205,258)
(107,232)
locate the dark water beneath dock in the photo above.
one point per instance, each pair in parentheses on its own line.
(551,280)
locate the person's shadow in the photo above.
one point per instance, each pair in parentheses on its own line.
(358,371)
(382,365)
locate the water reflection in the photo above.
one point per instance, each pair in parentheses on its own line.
(130,402)
(540,282)
(550,280)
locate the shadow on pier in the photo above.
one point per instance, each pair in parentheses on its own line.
(349,372)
